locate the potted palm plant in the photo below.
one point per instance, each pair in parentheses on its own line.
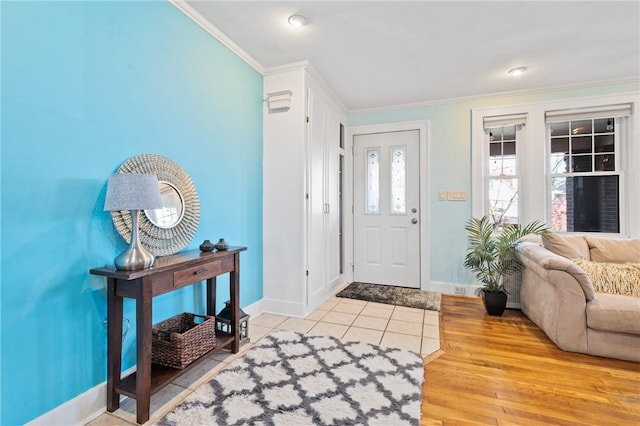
(490,256)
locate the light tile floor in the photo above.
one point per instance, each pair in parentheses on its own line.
(417,330)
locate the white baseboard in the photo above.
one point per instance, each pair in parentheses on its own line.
(296,309)
(471,290)
(324,296)
(254,309)
(283,307)
(450,288)
(79,410)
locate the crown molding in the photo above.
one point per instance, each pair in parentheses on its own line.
(196,17)
(541,90)
(294,66)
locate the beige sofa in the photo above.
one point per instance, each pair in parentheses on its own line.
(559,296)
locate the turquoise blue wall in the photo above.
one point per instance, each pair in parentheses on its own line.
(86,85)
(450,166)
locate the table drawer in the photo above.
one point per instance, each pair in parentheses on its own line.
(197,273)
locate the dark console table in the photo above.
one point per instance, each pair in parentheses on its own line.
(167,274)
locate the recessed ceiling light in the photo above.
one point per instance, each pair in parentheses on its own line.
(297,21)
(514,72)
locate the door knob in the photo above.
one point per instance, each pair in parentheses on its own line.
(414,220)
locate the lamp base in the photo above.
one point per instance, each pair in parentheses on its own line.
(135,256)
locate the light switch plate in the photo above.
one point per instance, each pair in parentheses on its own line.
(442,196)
(456,195)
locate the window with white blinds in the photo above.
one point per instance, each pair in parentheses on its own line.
(502,175)
(573,164)
(585,168)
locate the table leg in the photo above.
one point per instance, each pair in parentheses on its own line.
(234,291)
(114,345)
(143,349)
(211,296)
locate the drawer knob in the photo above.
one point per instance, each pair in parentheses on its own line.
(200,272)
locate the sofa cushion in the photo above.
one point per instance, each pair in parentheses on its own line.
(569,246)
(612,278)
(613,312)
(613,250)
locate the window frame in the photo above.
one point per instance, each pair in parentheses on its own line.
(519,141)
(534,196)
(619,124)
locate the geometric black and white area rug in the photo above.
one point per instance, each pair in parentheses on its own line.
(293,379)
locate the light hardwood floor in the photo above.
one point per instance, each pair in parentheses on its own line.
(505,371)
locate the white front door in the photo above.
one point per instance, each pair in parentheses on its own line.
(386,208)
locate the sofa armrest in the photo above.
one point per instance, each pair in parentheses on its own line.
(554,295)
(542,262)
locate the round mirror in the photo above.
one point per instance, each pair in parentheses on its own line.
(172,209)
(170,229)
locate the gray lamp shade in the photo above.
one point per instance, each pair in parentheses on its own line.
(131,191)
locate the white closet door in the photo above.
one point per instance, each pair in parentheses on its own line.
(316,242)
(323,230)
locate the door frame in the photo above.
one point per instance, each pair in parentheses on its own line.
(424,191)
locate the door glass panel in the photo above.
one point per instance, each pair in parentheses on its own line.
(398,180)
(373,181)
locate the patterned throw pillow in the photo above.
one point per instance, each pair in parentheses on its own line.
(612,278)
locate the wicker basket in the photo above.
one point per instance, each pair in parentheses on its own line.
(179,340)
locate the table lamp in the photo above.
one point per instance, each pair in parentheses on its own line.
(134,192)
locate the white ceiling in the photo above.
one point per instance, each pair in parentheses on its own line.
(381,54)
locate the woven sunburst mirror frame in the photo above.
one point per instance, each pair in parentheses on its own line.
(161,241)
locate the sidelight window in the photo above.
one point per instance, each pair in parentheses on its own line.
(373,180)
(399,180)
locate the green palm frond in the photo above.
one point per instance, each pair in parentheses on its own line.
(490,257)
